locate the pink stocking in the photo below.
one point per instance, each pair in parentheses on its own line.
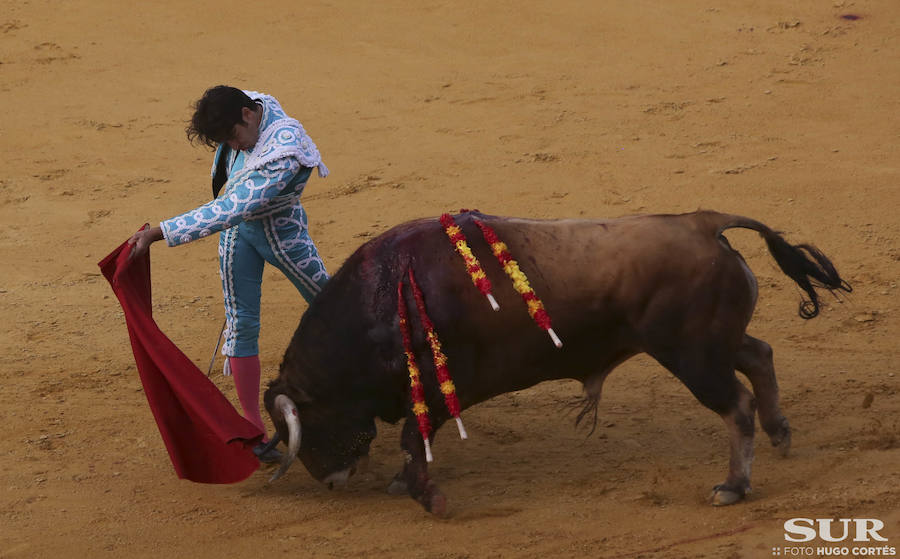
(246,372)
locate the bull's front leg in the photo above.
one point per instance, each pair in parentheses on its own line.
(415,472)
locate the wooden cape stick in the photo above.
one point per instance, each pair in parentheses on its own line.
(216,351)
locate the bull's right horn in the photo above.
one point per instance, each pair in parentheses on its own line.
(289,411)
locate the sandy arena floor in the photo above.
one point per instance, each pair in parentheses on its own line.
(785,112)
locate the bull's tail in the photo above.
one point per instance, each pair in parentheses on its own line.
(804,263)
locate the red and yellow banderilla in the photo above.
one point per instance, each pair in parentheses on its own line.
(479,278)
(520,281)
(448,389)
(416,392)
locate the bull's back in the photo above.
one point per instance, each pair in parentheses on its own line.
(604,283)
(628,259)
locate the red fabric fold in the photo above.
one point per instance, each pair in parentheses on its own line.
(207,439)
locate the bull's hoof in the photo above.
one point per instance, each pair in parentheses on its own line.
(723,495)
(782,444)
(432,499)
(438,505)
(780,435)
(398,486)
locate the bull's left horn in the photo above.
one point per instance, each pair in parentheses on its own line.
(289,411)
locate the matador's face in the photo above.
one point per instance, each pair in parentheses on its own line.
(245,135)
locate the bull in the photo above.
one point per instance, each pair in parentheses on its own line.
(670,286)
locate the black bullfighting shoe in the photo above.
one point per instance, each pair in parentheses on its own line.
(267,455)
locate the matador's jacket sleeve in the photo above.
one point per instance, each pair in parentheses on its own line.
(256,194)
(262,187)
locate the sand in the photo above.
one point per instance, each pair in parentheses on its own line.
(785,112)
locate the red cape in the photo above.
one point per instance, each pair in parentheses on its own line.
(207,439)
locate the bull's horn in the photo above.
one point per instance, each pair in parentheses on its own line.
(289,411)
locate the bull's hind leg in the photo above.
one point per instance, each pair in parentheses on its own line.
(415,471)
(739,420)
(754,359)
(714,384)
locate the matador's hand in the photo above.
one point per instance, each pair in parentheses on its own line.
(143,239)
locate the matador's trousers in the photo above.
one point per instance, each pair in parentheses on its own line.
(282,240)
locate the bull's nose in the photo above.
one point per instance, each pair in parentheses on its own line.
(339,478)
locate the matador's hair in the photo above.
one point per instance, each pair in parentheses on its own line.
(216,114)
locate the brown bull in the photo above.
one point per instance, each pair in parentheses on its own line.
(666,285)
